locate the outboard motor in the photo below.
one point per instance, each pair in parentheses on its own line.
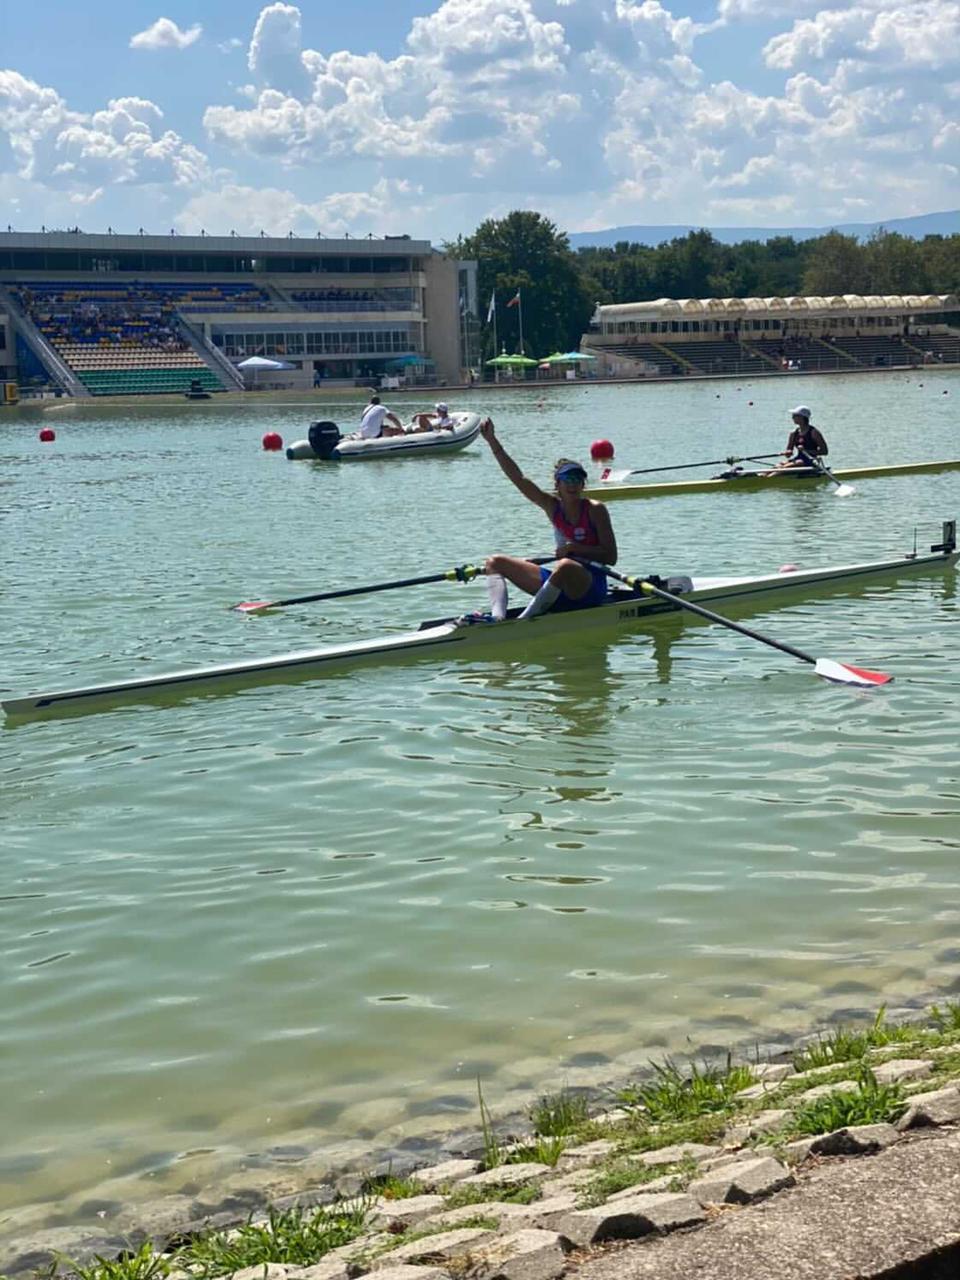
(322,440)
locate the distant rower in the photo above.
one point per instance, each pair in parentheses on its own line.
(804,439)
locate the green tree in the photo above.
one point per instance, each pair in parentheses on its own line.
(525,251)
(837,265)
(895,264)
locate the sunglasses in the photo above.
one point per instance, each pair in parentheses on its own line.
(572,477)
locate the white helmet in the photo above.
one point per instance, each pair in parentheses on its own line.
(801,411)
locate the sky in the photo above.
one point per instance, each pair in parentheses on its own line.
(406,116)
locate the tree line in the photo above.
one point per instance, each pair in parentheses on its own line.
(559,287)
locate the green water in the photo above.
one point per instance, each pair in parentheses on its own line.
(267,924)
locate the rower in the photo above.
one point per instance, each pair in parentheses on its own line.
(582,531)
(804,442)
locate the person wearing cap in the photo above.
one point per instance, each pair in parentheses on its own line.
(804,442)
(439,420)
(375,421)
(582,531)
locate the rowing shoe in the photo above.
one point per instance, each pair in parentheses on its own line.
(827,668)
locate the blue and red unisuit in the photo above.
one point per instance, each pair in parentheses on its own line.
(582,529)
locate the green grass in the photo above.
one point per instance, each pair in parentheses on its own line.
(295,1236)
(391,1187)
(298,1237)
(557,1115)
(620,1174)
(847,1044)
(526,1193)
(542,1150)
(869,1103)
(946,1019)
(673,1095)
(145,1264)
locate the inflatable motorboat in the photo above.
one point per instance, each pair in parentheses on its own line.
(325,443)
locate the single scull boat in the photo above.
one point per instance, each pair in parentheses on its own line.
(625,609)
(750,481)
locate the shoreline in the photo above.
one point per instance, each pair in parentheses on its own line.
(283,1177)
(318,395)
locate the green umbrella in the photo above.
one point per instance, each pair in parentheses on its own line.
(511,362)
(556,358)
(573,356)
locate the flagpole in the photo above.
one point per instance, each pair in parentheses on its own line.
(493,304)
(520,314)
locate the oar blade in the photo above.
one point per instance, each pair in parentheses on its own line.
(609,476)
(253,606)
(844,490)
(843,673)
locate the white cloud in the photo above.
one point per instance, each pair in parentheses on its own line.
(122,143)
(250,210)
(597,111)
(165,34)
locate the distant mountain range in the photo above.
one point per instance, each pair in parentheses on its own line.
(926,224)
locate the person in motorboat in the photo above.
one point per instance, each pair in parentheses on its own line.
(377,421)
(582,531)
(805,441)
(439,420)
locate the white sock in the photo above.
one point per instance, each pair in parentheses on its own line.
(541,602)
(497,591)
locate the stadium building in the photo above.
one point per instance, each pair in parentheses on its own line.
(699,336)
(120,315)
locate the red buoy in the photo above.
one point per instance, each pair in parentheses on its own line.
(47,434)
(601,451)
(272,441)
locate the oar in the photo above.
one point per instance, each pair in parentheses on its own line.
(840,672)
(843,490)
(462,573)
(614,477)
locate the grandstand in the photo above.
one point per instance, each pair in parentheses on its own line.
(111,315)
(775,335)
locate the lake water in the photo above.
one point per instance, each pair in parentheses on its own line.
(263,925)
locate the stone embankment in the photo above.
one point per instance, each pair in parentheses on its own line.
(879,1200)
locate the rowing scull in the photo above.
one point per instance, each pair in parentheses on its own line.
(749,481)
(625,609)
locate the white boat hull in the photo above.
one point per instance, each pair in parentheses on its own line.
(411,444)
(624,610)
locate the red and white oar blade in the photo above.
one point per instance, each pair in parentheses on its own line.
(609,476)
(843,673)
(253,606)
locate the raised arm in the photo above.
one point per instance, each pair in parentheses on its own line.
(546,501)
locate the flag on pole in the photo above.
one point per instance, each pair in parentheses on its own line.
(492,307)
(515,300)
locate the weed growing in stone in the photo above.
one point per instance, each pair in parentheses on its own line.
(526,1193)
(295,1236)
(541,1150)
(672,1095)
(391,1187)
(557,1114)
(145,1264)
(845,1044)
(617,1176)
(869,1103)
(946,1019)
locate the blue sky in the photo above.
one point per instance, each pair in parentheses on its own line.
(391,116)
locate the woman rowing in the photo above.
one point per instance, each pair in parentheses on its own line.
(805,442)
(582,531)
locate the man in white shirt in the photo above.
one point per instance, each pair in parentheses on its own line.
(439,420)
(374,417)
